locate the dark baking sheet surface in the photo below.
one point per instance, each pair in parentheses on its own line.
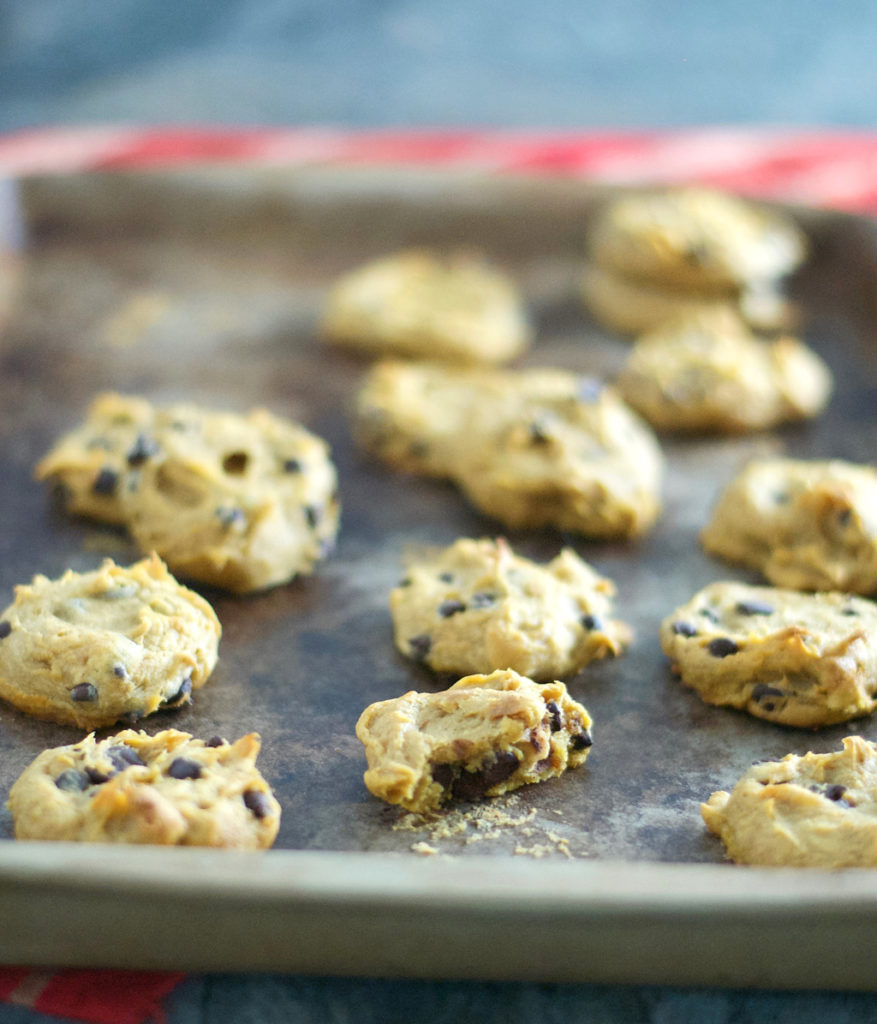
(208,287)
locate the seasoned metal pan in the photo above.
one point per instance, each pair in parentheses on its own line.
(207,286)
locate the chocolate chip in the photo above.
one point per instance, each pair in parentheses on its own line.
(591,622)
(418,646)
(84,692)
(229,516)
(291,466)
(846,611)
(836,791)
(483,599)
(144,448)
(471,785)
(755,608)
(722,646)
(581,740)
(119,671)
(448,608)
(844,516)
(762,690)
(312,516)
(404,583)
(443,774)
(184,768)
(5,628)
(257,802)
(182,694)
(684,629)
(97,777)
(446,577)
(72,781)
(235,463)
(539,434)
(106,482)
(216,741)
(556,719)
(123,756)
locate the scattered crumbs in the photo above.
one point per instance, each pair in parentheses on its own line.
(557,811)
(424,849)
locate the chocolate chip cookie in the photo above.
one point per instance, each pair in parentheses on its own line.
(707,372)
(168,789)
(486,735)
(809,525)
(421,305)
(91,649)
(476,606)
(819,810)
(798,659)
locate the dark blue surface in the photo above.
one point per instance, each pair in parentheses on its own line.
(555,63)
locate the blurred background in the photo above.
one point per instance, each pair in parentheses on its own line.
(548,63)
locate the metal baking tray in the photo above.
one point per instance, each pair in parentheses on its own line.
(207,285)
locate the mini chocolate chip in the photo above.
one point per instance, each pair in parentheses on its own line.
(185,689)
(473,785)
(97,777)
(762,690)
(291,466)
(184,768)
(539,434)
(755,608)
(418,646)
(684,628)
(119,671)
(722,646)
(123,756)
(443,774)
(846,611)
(483,599)
(5,628)
(844,516)
(257,802)
(581,740)
(216,741)
(446,577)
(144,448)
(106,482)
(229,516)
(556,719)
(448,608)
(85,692)
(836,791)
(591,622)
(404,583)
(235,463)
(72,781)
(312,516)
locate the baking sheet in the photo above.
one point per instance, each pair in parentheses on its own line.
(207,286)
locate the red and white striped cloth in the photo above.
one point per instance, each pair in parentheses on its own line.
(833,168)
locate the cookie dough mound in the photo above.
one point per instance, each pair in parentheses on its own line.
(241,502)
(420,305)
(92,648)
(805,660)
(477,606)
(583,463)
(91,466)
(819,810)
(708,372)
(690,245)
(169,789)
(805,525)
(486,735)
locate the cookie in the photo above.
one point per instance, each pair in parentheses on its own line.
(90,649)
(169,789)
(241,502)
(421,305)
(486,735)
(804,660)
(819,810)
(707,372)
(660,254)
(809,525)
(530,448)
(90,466)
(476,606)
